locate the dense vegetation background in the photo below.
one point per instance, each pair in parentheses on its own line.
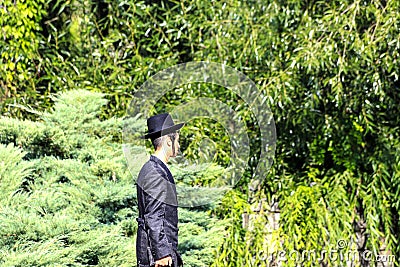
(330,70)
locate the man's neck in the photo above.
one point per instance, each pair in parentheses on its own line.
(161,155)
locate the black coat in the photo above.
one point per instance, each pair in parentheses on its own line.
(157,234)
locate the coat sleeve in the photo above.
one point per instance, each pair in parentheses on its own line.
(155,186)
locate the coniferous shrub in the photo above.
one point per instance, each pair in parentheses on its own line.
(67,197)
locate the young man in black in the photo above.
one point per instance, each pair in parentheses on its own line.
(157,236)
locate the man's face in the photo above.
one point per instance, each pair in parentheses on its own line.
(176,146)
(171,146)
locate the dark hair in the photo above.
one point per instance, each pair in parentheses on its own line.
(157,142)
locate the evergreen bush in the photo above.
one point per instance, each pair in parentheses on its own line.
(67,197)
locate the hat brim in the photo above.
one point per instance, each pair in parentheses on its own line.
(163,132)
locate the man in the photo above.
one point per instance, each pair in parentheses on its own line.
(157,236)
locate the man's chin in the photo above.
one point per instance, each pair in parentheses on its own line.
(176,154)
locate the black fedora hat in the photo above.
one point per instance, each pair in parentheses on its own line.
(161,124)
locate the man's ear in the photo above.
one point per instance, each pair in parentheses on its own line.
(169,142)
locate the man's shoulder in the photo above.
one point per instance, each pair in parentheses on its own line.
(150,168)
(152,178)
(147,165)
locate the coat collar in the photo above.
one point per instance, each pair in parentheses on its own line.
(164,166)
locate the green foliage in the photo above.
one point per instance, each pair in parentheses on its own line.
(14,171)
(232,208)
(199,237)
(20,24)
(312,208)
(338,106)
